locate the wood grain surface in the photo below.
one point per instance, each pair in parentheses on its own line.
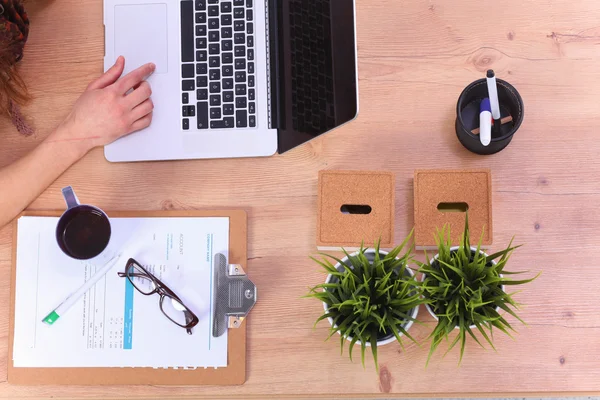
(415,57)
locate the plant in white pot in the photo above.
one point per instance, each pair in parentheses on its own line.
(370,297)
(466,290)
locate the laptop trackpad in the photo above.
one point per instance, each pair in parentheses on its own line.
(141,35)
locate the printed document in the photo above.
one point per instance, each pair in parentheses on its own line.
(113,324)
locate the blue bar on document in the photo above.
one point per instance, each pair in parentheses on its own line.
(128,316)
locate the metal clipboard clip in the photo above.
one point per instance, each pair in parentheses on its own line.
(234,295)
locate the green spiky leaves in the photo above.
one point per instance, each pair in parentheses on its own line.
(466,290)
(370,296)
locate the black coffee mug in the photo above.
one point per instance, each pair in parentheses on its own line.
(83,231)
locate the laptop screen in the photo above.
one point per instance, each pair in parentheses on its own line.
(316,68)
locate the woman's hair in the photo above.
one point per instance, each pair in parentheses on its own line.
(12,86)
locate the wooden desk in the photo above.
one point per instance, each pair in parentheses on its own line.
(415,58)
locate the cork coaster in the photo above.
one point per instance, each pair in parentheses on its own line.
(355,206)
(443,196)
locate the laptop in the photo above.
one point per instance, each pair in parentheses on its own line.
(235,78)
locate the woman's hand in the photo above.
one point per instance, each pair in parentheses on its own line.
(109,108)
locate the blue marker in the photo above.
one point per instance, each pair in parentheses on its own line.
(485,122)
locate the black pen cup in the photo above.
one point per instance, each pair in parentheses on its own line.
(467,116)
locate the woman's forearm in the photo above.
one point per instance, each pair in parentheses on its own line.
(24,180)
(110,108)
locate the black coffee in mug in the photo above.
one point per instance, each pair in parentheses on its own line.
(83,231)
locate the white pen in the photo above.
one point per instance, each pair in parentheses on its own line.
(63,307)
(493,94)
(485,122)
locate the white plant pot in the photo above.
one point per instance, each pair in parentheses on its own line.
(414,313)
(454,248)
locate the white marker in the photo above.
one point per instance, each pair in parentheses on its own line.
(72,299)
(485,122)
(493,94)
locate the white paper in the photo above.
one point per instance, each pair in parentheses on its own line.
(95,331)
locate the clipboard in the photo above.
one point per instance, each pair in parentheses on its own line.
(233,374)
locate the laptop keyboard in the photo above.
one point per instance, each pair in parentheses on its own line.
(313,108)
(217,72)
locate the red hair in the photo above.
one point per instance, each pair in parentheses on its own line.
(12,86)
(14,30)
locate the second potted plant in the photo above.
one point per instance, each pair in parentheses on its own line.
(371,297)
(466,291)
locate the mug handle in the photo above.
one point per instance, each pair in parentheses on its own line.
(70,197)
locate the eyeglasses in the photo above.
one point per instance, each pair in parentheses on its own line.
(148,284)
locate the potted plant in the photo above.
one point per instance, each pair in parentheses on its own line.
(466,290)
(371,297)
